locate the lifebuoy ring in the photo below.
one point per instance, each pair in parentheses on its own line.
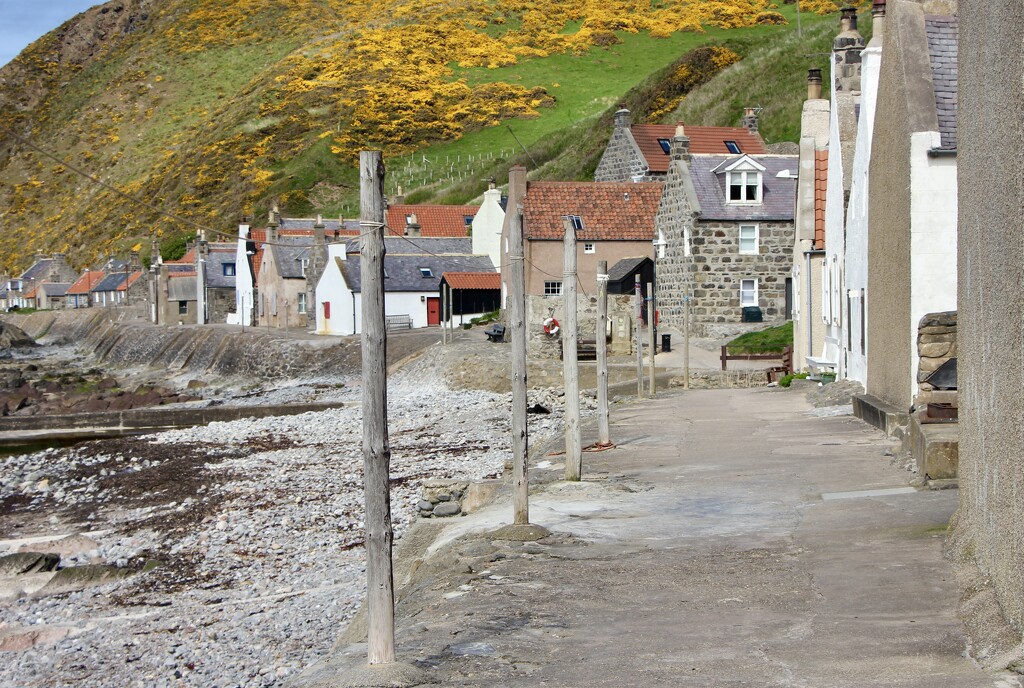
(551,326)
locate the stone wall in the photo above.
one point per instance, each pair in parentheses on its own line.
(622,160)
(713,272)
(540,308)
(936,344)
(219,303)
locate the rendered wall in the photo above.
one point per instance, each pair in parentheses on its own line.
(991,307)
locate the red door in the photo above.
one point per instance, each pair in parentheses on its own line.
(433,311)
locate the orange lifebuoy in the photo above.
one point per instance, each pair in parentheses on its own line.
(551,326)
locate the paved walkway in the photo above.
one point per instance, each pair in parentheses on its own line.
(731,539)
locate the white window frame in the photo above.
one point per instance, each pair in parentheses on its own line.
(589,247)
(756,249)
(552,287)
(742,179)
(743,290)
(301,303)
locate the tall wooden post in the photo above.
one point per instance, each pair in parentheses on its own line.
(451,316)
(603,432)
(570,367)
(638,303)
(517,327)
(444,332)
(380,593)
(686,346)
(650,336)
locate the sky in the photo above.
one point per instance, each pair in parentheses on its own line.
(23,21)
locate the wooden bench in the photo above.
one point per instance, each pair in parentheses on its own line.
(397,322)
(586,349)
(785,357)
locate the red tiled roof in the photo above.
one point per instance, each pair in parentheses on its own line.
(173,275)
(85,283)
(820,187)
(434,220)
(608,210)
(32,293)
(702,140)
(472,280)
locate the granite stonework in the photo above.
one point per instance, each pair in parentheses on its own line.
(936,344)
(623,160)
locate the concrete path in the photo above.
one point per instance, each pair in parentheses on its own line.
(731,539)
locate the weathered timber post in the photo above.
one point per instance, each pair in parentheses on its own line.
(380,593)
(517,327)
(603,432)
(570,367)
(638,303)
(650,335)
(451,316)
(444,332)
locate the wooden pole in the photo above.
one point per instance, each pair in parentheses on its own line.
(451,316)
(638,303)
(570,367)
(603,431)
(380,593)
(517,327)
(686,346)
(650,336)
(444,332)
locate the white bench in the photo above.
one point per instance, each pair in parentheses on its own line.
(398,322)
(820,363)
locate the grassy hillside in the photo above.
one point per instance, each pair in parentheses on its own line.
(208,111)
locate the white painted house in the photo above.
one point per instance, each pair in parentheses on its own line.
(412,272)
(487,225)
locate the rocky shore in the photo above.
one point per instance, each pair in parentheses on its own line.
(243,540)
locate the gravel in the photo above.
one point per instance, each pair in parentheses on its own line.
(257,525)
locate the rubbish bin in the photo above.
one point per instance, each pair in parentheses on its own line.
(666,342)
(751,314)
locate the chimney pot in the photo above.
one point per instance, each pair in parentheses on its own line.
(814,84)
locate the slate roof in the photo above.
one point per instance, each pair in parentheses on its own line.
(419,245)
(703,140)
(111,282)
(38,270)
(609,211)
(434,220)
(55,288)
(625,268)
(309,223)
(288,254)
(473,280)
(820,193)
(84,283)
(403,271)
(778,199)
(215,261)
(132,279)
(943,34)
(181,287)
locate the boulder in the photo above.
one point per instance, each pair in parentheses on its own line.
(12,337)
(21,563)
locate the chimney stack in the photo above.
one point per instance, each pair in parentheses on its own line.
(847,47)
(680,148)
(272,225)
(814,84)
(412,227)
(318,230)
(399,197)
(877,21)
(750,119)
(623,118)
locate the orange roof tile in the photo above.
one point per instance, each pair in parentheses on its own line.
(472,280)
(820,188)
(173,275)
(702,140)
(434,220)
(132,279)
(617,211)
(85,283)
(32,293)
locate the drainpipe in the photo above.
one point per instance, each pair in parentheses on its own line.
(354,313)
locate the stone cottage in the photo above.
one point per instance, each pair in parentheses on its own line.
(725,226)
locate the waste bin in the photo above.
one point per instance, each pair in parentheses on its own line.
(666,342)
(752,314)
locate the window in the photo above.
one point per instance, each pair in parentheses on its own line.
(305,264)
(748,239)
(302,303)
(744,186)
(577,221)
(666,145)
(425,272)
(229,269)
(589,247)
(468,220)
(553,288)
(183,308)
(748,292)
(733,147)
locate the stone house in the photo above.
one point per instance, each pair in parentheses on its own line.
(215,267)
(413,267)
(45,268)
(809,232)
(912,205)
(51,295)
(987,532)
(487,224)
(725,229)
(175,291)
(640,152)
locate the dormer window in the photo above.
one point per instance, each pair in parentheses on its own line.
(743,181)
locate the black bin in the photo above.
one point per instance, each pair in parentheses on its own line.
(666,342)
(752,314)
